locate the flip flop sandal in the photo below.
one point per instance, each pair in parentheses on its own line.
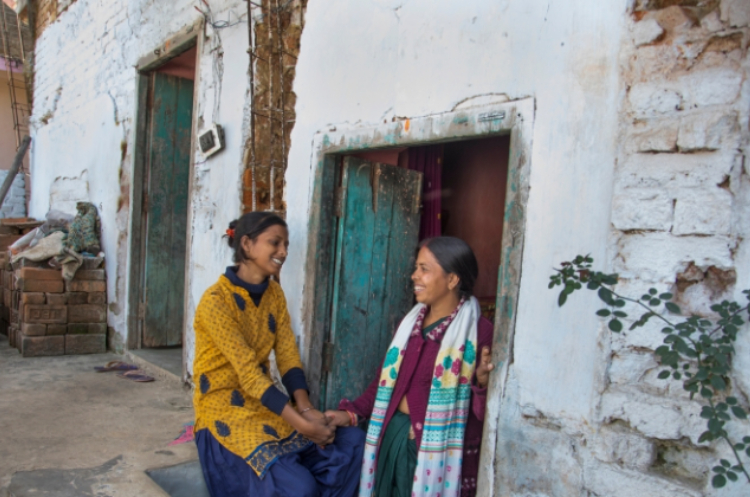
(136,376)
(116,366)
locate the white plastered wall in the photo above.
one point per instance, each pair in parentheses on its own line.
(620,169)
(84,128)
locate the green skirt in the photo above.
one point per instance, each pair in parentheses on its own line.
(397,459)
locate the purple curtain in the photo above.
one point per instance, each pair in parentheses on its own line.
(429,161)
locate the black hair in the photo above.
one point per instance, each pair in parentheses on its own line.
(250,225)
(455,256)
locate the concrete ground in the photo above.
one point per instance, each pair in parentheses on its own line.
(66,430)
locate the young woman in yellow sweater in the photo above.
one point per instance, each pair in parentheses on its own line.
(251,440)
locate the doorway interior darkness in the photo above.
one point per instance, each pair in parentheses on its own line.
(460,192)
(474,175)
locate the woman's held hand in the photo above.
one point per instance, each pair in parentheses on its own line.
(338,418)
(319,431)
(484,367)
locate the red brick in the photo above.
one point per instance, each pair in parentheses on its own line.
(42,346)
(97,328)
(85,344)
(97,297)
(88,313)
(47,286)
(6,297)
(9,280)
(75,298)
(57,298)
(34,329)
(8,240)
(90,274)
(15,299)
(32,273)
(57,329)
(14,316)
(48,314)
(86,286)
(35,298)
(11,336)
(77,329)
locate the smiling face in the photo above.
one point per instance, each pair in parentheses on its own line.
(431,283)
(266,254)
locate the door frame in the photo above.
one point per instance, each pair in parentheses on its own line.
(186,39)
(514,118)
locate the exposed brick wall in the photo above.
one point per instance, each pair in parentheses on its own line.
(277,32)
(679,216)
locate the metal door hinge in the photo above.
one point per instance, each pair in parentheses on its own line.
(327,357)
(338,201)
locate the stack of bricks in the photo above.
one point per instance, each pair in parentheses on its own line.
(48,316)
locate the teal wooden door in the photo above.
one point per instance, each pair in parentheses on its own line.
(378,226)
(166,202)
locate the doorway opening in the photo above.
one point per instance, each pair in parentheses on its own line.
(387,201)
(161,179)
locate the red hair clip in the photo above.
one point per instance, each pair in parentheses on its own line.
(230,233)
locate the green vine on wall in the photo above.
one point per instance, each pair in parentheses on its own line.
(697,350)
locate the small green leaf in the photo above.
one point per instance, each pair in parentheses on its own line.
(706,393)
(718,383)
(673,308)
(652,291)
(605,295)
(619,303)
(653,302)
(746,440)
(732,475)
(725,463)
(666,296)
(664,375)
(707,436)
(732,401)
(739,447)
(603,312)
(676,375)
(620,314)
(718,481)
(739,412)
(562,298)
(615,325)
(718,469)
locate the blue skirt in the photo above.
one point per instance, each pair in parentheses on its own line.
(311,472)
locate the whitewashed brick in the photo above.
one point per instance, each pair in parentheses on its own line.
(652,99)
(613,481)
(642,209)
(657,417)
(703,212)
(616,445)
(655,136)
(735,12)
(713,86)
(647,31)
(674,172)
(659,257)
(709,131)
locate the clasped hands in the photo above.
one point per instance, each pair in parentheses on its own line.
(321,427)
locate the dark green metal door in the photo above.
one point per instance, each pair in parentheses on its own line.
(378,209)
(165,208)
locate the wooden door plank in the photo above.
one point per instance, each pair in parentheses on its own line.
(168,171)
(375,256)
(354,282)
(179,193)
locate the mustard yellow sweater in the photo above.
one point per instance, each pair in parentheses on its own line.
(235,397)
